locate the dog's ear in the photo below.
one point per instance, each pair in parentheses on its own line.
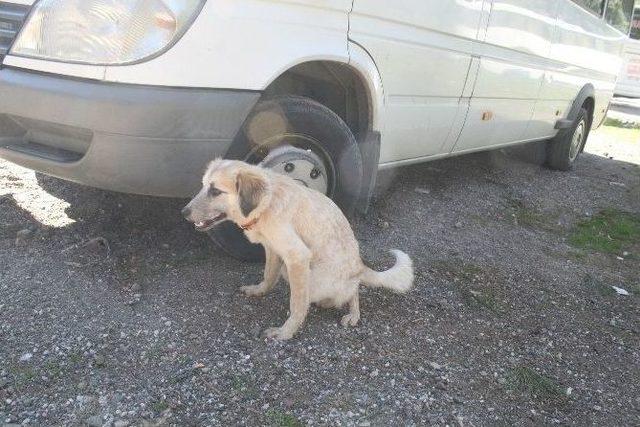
(251,188)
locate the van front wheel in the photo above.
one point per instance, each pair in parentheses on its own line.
(564,149)
(300,138)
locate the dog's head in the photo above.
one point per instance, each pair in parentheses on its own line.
(231,190)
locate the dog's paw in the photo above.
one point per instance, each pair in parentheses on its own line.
(279,334)
(350,320)
(253,290)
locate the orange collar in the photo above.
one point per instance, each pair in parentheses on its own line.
(249,225)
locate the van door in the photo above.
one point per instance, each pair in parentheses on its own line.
(513,59)
(423,52)
(591,51)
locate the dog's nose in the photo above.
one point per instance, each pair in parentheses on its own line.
(186,212)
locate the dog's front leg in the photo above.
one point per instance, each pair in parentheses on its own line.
(297,258)
(272,266)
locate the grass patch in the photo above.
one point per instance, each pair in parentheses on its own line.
(53,369)
(596,285)
(477,299)
(528,217)
(159,406)
(22,375)
(537,385)
(617,123)
(244,385)
(460,270)
(609,231)
(282,419)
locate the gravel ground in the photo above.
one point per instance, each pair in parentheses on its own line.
(114,312)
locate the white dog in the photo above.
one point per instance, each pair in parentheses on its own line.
(306,237)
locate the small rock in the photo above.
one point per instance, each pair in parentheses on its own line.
(435,366)
(26,357)
(422,190)
(136,287)
(100,361)
(120,423)
(458,224)
(620,291)
(374,373)
(569,391)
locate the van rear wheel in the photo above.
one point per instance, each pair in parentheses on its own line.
(300,138)
(564,149)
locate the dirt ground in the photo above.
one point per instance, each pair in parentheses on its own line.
(114,312)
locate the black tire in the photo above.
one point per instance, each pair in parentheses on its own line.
(563,150)
(276,120)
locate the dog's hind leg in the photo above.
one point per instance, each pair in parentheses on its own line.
(272,269)
(352,318)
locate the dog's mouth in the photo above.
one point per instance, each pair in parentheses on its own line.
(208,224)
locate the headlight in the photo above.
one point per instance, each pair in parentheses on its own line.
(104,32)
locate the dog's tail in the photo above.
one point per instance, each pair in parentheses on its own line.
(398,278)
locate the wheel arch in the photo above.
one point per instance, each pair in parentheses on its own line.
(353,90)
(586,98)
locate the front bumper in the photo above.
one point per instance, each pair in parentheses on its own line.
(128,138)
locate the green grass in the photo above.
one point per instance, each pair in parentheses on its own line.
(478,299)
(278,418)
(617,123)
(53,369)
(596,285)
(610,231)
(528,217)
(460,270)
(22,375)
(537,385)
(159,406)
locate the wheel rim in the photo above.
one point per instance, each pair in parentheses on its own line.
(577,140)
(299,157)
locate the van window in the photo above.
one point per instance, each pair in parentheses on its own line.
(619,14)
(595,6)
(635,24)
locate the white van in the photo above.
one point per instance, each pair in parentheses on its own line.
(137,95)
(629,80)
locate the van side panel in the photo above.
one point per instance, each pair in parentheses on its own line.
(586,50)
(423,51)
(512,69)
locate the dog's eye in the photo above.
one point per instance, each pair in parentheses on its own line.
(213,191)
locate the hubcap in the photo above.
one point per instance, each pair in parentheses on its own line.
(577,140)
(304,166)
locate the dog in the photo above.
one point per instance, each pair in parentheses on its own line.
(307,240)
